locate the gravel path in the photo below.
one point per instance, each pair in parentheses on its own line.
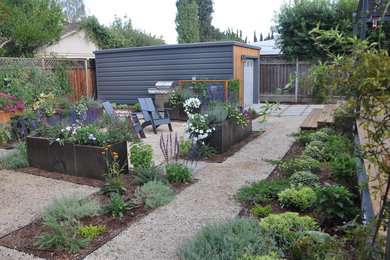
(23,198)
(160,234)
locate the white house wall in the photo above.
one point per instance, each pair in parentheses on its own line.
(76,45)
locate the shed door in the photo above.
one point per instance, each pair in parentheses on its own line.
(248,82)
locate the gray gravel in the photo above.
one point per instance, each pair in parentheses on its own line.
(161,233)
(24,196)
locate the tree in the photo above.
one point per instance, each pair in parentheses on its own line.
(120,34)
(261,37)
(74,10)
(205,11)
(187,21)
(27,25)
(230,35)
(296,20)
(254,37)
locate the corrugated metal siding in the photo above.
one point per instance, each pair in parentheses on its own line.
(125,75)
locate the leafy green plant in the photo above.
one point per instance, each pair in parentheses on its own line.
(318,245)
(147,174)
(344,119)
(282,225)
(230,240)
(272,256)
(319,144)
(205,151)
(5,133)
(304,137)
(116,206)
(113,177)
(64,236)
(297,197)
(260,211)
(178,172)
(178,95)
(305,178)
(336,145)
(72,208)
(313,152)
(334,204)
(300,163)
(154,194)
(15,159)
(253,112)
(141,155)
(320,136)
(262,191)
(90,232)
(216,112)
(344,169)
(198,128)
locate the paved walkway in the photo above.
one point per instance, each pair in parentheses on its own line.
(290,110)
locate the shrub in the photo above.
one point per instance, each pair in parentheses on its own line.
(114,183)
(327,130)
(304,137)
(90,232)
(72,208)
(319,144)
(216,111)
(336,145)
(63,236)
(334,204)
(116,206)
(141,155)
(301,163)
(154,194)
(262,191)
(344,119)
(151,173)
(15,159)
(319,136)
(260,211)
(297,197)
(344,169)
(282,225)
(305,178)
(318,245)
(230,240)
(272,256)
(313,152)
(178,172)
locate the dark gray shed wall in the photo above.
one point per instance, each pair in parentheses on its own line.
(123,75)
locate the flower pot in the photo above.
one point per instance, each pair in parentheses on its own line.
(226,136)
(5,116)
(72,159)
(177,112)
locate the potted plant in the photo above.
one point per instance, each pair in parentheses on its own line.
(176,99)
(78,150)
(9,105)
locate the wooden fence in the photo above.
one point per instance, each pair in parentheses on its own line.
(82,73)
(276,73)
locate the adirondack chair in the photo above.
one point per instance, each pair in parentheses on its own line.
(137,126)
(152,116)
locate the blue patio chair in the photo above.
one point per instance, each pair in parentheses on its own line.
(137,126)
(152,116)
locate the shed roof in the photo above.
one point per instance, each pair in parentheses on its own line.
(179,46)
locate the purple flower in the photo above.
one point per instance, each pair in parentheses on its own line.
(254,198)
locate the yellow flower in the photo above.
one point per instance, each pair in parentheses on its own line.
(106,148)
(103,152)
(109,145)
(116,156)
(132,153)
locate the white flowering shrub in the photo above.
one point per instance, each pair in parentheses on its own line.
(191,104)
(197,127)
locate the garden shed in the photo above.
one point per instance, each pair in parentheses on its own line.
(125,74)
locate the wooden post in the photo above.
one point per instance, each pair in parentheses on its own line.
(86,76)
(226,85)
(296,81)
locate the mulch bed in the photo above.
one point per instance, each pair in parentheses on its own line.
(23,239)
(324,177)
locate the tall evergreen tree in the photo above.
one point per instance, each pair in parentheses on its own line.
(187,21)
(205,11)
(261,37)
(254,37)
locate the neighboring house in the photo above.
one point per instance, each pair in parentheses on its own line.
(74,43)
(268,47)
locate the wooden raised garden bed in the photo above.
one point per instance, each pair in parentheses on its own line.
(226,136)
(5,116)
(72,159)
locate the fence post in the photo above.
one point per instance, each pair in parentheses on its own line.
(296,80)
(86,76)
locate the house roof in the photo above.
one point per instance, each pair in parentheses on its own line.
(268,47)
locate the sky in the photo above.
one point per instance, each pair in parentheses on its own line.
(157,17)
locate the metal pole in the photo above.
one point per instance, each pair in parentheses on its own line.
(296,81)
(86,76)
(364,22)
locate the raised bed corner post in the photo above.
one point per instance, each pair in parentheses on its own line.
(296,80)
